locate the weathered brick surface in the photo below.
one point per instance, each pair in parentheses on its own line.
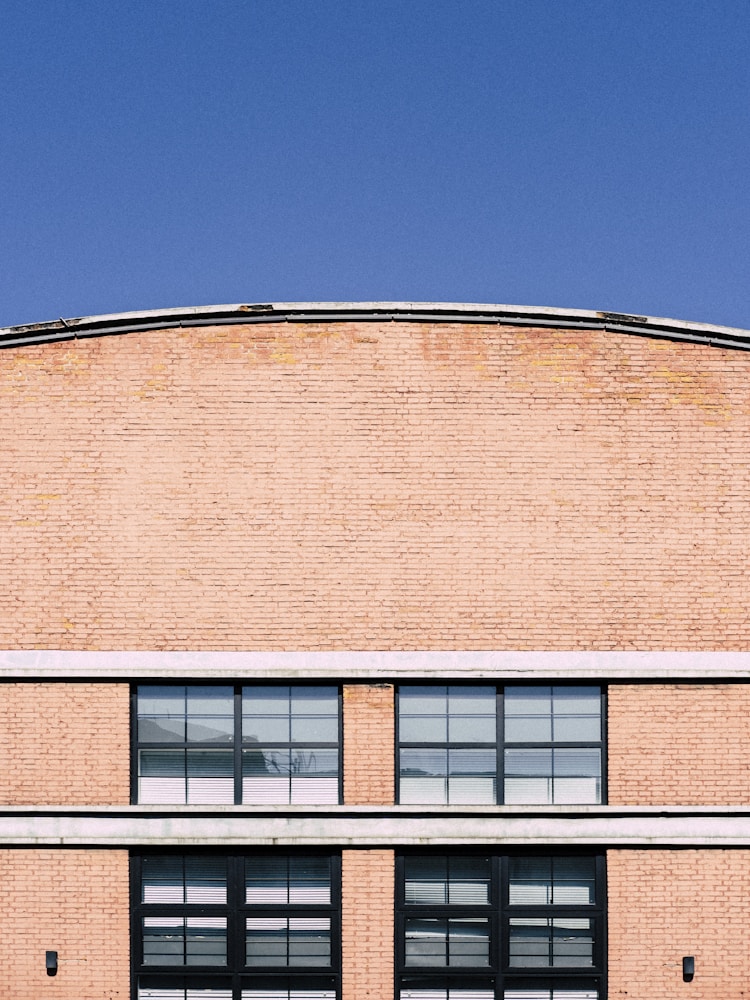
(367,886)
(374,486)
(679,744)
(369,764)
(74,902)
(64,744)
(666,904)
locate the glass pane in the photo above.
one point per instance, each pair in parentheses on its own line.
(423,791)
(315,729)
(271,729)
(210,729)
(577,729)
(468,943)
(309,762)
(521,699)
(309,880)
(213,700)
(427,763)
(162,778)
(574,881)
(210,776)
(528,791)
(528,763)
(267,880)
(479,763)
(205,880)
(310,941)
(314,791)
(472,729)
(423,728)
(471,700)
(528,729)
(530,942)
(160,729)
(426,942)
(162,880)
(423,776)
(266,791)
(572,943)
(315,701)
(469,881)
(266,700)
(423,700)
(164,941)
(576,700)
(577,776)
(206,941)
(161,699)
(530,881)
(426,881)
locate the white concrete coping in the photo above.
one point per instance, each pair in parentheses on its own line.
(376,666)
(366,826)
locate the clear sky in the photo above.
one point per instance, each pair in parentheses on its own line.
(592,154)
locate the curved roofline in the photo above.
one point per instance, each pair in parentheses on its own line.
(424,312)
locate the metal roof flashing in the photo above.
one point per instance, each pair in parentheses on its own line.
(423,312)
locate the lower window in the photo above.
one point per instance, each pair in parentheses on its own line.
(251,926)
(483,926)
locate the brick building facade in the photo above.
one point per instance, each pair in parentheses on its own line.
(351,652)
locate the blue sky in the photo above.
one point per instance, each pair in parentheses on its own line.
(592,154)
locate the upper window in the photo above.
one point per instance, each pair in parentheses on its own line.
(236,927)
(518,744)
(237,744)
(492,927)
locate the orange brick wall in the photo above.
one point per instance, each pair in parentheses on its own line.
(74,902)
(374,486)
(367,887)
(679,744)
(64,744)
(667,904)
(369,762)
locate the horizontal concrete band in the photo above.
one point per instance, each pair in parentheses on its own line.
(376,666)
(368,827)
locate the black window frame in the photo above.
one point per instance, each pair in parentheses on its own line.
(500,745)
(235,746)
(499,975)
(236,975)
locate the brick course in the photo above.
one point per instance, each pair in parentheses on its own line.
(367,926)
(64,744)
(679,744)
(74,902)
(374,486)
(667,904)
(369,762)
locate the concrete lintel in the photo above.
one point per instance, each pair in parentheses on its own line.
(375,665)
(345,828)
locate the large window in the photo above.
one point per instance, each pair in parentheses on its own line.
(256,926)
(234,744)
(483,744)
(500,927)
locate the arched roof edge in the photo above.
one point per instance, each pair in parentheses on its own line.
(503,315)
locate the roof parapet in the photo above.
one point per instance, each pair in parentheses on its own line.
(418,312)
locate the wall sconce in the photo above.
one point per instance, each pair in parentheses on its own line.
(50,960)
(688,968)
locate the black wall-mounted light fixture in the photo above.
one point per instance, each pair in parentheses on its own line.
(50,960)
(688,968)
